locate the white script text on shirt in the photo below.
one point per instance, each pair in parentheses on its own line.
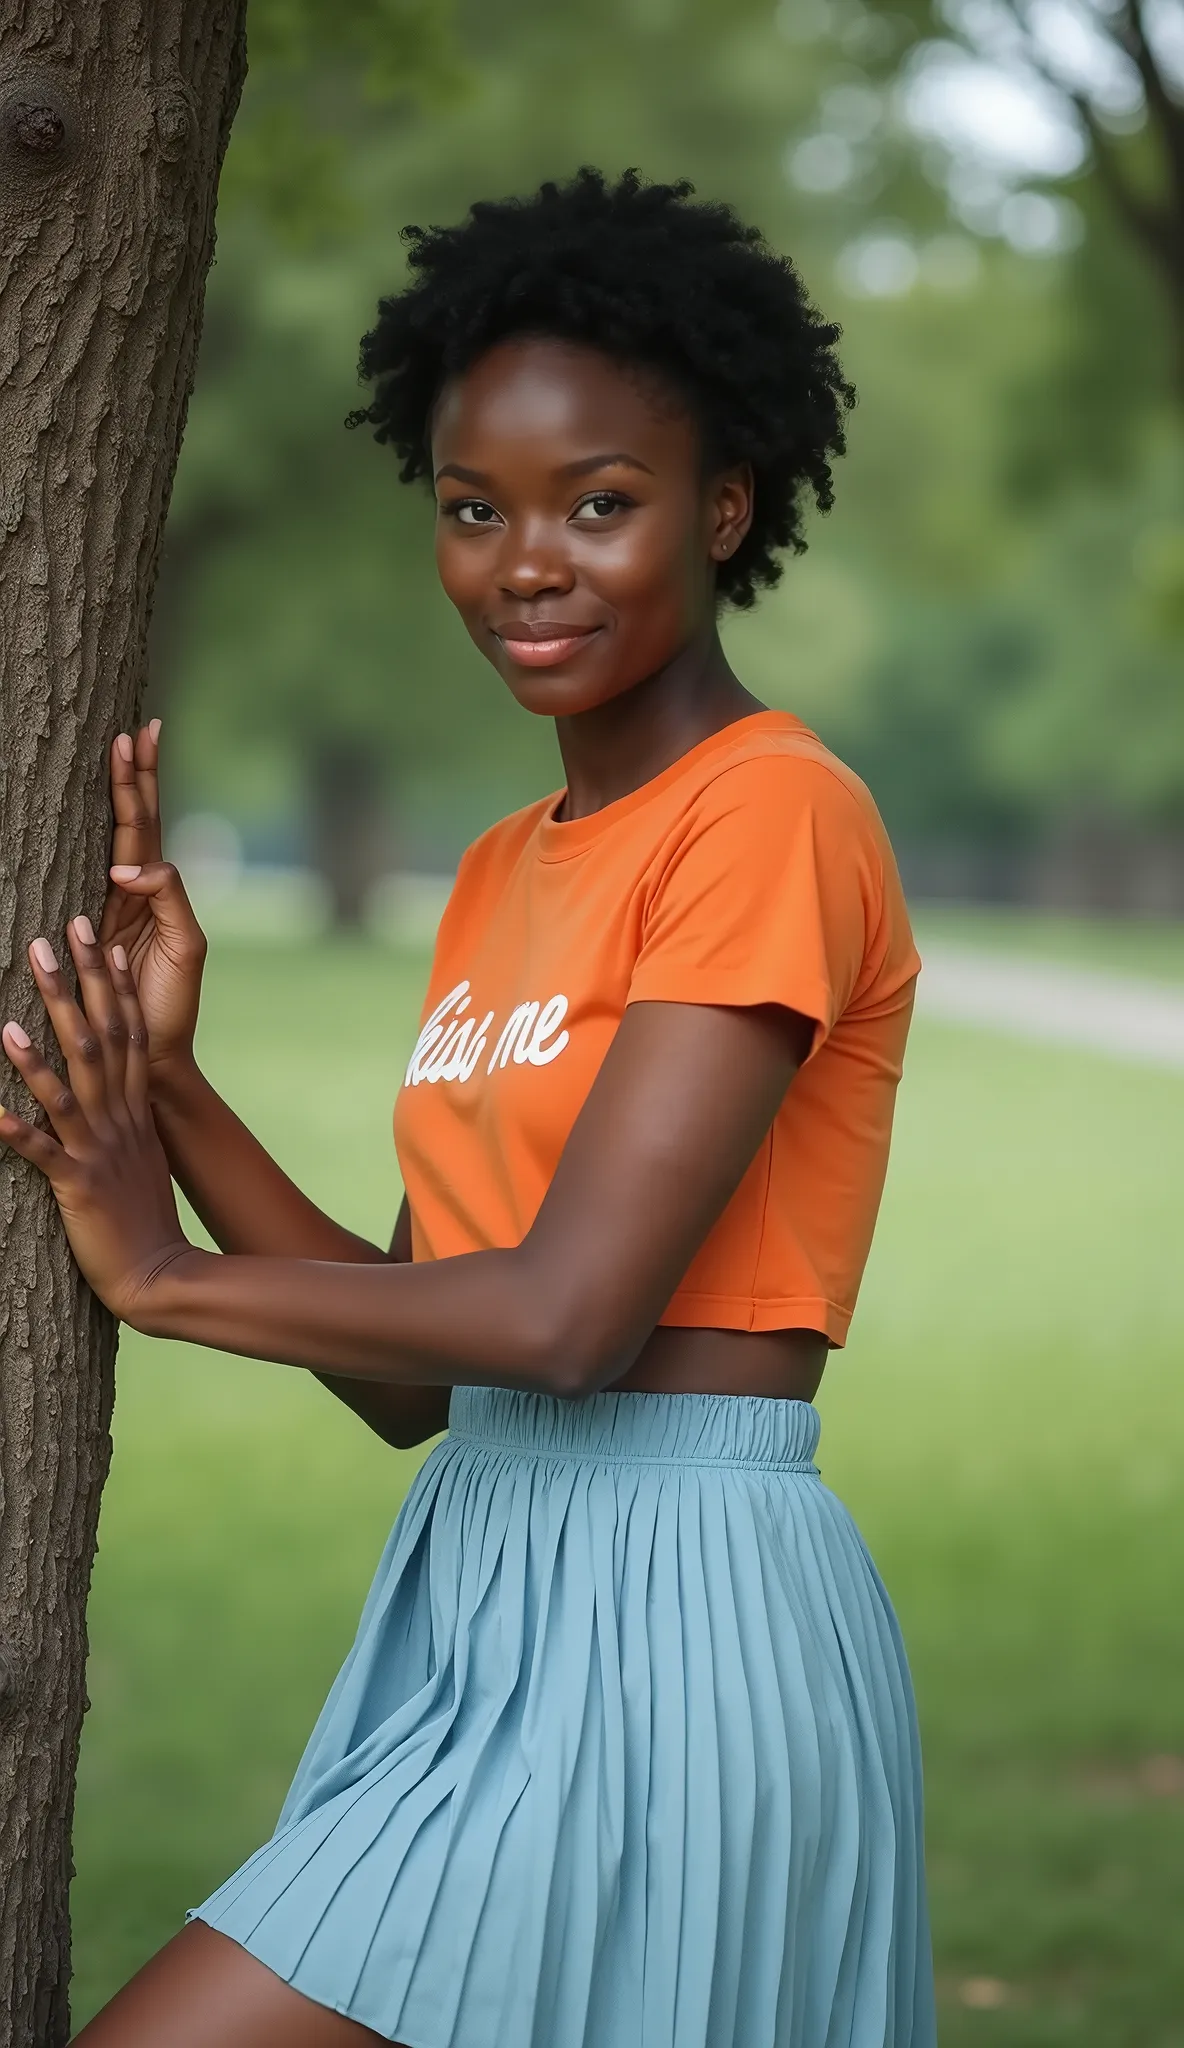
(450,1045)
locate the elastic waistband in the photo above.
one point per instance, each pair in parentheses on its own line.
(676,1429)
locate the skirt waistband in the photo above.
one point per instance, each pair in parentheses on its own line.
(643,1428)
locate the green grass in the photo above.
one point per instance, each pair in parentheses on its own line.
(1006,1424)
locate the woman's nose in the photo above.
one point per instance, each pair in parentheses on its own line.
(533,562)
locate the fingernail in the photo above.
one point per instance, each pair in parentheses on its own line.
(44,955)
(123,747)
(124,874)
(85,930)
(120,958)
(20,1038)
(154,728)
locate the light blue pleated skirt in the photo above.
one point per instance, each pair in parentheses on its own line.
(624,1754)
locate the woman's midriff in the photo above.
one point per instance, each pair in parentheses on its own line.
(785,1363)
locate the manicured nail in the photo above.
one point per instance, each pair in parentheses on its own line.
(124,874)
(120,958)
(20,1038)
(44,955)
(154,729)
(123,747)
(85,930)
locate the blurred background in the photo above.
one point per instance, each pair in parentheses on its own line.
(989,195)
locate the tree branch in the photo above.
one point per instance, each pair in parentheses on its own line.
(1152,223)
(1157,225)
(1165,110)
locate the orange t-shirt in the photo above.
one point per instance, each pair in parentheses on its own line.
(753,870)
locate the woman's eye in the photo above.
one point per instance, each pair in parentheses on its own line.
(601,505)
(471,512)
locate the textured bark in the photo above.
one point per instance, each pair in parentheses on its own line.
(114,115)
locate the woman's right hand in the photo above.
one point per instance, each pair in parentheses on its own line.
(147,911)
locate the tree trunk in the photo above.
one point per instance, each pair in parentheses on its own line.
(349,823)
(114,116)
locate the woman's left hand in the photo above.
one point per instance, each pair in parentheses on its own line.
(105,1163)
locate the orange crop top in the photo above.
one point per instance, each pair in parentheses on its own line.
(755,869)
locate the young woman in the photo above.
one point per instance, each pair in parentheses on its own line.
(624,1754)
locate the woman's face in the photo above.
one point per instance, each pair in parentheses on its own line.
(576,533)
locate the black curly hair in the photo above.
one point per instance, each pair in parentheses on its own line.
(650,278)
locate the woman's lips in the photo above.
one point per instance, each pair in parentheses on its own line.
(545,652)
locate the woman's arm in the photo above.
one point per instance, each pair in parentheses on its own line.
(402,1416)
(682,1101)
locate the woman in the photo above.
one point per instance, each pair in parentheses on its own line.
(624,1755)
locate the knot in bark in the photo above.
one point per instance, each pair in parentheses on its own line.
(38,121)
(40,129)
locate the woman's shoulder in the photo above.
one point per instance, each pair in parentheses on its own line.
(772,771)
(779,805)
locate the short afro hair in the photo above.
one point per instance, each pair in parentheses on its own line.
(651,278)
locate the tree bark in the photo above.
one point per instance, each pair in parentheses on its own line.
(114,115)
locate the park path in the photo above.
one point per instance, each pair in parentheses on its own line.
(1127,1016)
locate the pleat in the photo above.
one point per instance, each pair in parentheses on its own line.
(843,1592)
(752,1783)
(623,1756)
(616,2011)
(665,1819)
(699,1931)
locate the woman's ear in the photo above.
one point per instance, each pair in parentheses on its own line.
(731,510)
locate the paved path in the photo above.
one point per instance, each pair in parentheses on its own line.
(1125,1016)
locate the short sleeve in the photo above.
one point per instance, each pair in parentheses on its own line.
(769,895)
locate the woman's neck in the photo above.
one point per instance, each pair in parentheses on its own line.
(614,749)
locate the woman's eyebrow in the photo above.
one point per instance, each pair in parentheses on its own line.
(584,467)
(616,461)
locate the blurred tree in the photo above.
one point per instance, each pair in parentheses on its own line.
(1119,70)
(1014,104)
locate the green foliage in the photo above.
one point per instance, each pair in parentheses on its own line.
(1005,1425)
(1083,410)
(315,70)
(1097,722)
(289,172)
(399,46)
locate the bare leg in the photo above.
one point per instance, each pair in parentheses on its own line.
(203,1991)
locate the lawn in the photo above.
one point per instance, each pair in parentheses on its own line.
(1006,1424)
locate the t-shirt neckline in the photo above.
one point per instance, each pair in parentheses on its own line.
(559,839)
